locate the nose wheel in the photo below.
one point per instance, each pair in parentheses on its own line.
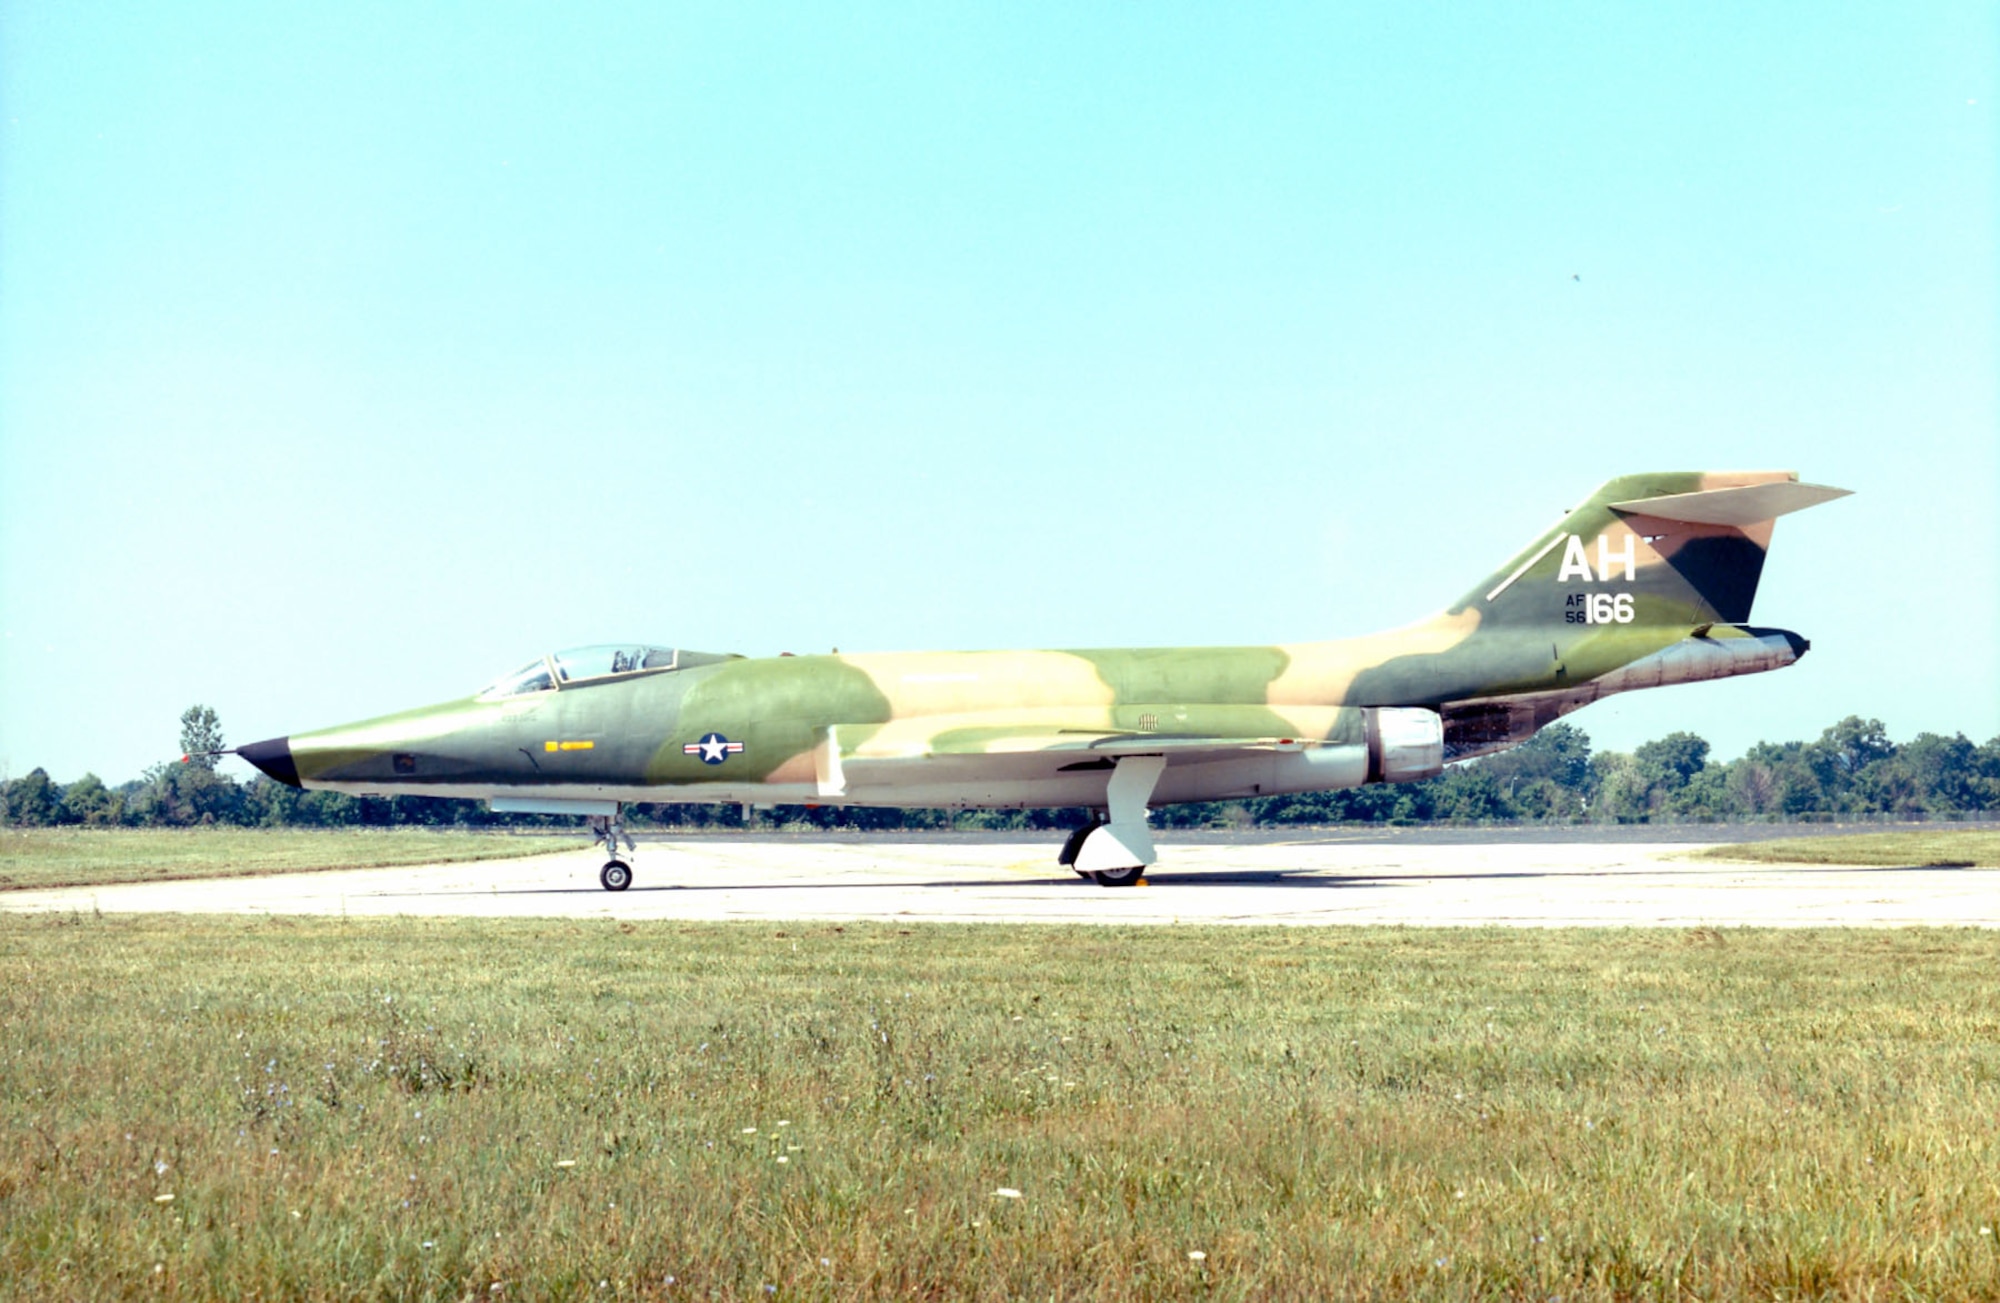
(616,875)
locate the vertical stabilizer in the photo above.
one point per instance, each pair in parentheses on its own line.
(1679,549)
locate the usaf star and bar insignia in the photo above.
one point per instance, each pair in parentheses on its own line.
(713,748)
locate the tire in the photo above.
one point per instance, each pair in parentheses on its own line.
(1070,849)
(1128,877)
(616,875)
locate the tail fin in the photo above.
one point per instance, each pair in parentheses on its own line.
(1679,549)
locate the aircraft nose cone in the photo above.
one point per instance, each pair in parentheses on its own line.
(274,757)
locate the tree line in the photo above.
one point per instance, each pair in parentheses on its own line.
(1853,769)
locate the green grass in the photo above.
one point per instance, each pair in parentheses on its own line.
(84,857)
(1956,847)
(423,1108)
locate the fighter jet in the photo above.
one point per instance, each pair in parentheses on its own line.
(1647,583)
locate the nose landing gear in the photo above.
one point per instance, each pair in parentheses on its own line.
(616,875)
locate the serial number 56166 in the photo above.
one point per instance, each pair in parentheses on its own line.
(1599,608)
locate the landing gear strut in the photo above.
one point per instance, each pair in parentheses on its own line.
(1115,852)
(616,875)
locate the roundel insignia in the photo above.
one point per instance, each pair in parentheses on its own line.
(713,748)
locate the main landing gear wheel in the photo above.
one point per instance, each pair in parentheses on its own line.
(616,876)
(1114,852)
(1067,856)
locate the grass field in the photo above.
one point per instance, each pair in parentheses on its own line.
(217,1107)
(1957,847)
(84,857)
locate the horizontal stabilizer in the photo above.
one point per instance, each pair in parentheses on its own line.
(1746,504)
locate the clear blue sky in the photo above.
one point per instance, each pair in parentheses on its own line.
(352,354)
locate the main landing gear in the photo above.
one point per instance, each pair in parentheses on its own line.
(1115,852)
(616,875)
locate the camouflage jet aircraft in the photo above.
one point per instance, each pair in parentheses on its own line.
(1647,583)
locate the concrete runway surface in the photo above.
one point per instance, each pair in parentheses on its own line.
(1260,880)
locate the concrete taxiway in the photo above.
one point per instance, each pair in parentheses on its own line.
(1309,882)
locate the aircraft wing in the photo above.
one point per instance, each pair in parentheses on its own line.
(1086,742)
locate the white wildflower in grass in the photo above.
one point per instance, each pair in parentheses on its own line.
(1006,1192)
(783,1123)
(784,1158)
(564,1162)
(163,1198)
(749,1131)
(1196,1255)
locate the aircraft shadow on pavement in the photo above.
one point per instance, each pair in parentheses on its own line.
(581,890)
(1273,877)
(1308,877)
(1198,878)
(1212,878)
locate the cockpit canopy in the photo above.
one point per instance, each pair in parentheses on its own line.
(596,662)
(584,664)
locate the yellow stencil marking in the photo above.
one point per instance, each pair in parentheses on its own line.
(568,746)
